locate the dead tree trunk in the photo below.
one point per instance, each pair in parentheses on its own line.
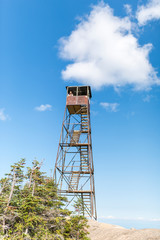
(34,184)
(12,188)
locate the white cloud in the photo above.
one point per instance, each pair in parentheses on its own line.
(110,107)
(44,107)
(128,9)
(110,217)
(147,98)
(3,116)
(149,12)
(155,220)
(104,52)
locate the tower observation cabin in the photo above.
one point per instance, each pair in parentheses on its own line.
(74,169)
(76,97)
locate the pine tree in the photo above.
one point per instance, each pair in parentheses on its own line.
(31,209)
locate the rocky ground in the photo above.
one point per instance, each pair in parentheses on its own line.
(103,231)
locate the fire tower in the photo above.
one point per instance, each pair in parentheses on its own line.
(74,170)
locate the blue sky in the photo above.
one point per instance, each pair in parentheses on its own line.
(112,46)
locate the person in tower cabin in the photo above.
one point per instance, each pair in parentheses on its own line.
(70,93)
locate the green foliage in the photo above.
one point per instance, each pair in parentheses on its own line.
(79,206)
(31,209)
(76,228)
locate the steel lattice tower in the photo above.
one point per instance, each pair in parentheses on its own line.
(74,170)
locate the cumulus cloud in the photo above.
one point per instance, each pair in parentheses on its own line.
(110,107)
(44,107)
(3,116)
(148,12)
(104,52)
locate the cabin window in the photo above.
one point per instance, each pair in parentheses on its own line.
(79,91)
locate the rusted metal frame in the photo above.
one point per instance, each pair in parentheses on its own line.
(67,134)
(91,182)
(74,123)
(68,172)
(81,154)
(59,180)
(72,152)
(61,136)
(93,185)
(89,178)
(68,182)
(85,206)
(71,160)
(86,138)
(70,200)
(65,139)
(64,154)
(54,174)
(60,177)
(69,123)
(89,154)
(65,151)
(67,179)
(86,209)
(72,133)
(85,182)
(76,113)
(77,195)
(66,116)
(63,147)
(70,145)
(94,198)
(90,164)
(71,175)
(64,176)
(60,161)
(67,143)
(76,118)
(82,202)
(73,199)
(73,189)
(95,211)
(70,166)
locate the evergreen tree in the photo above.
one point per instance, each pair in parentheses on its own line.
(31,209)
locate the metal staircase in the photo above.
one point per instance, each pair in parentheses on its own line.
(84,119)
(87,203)
(84,161)
(74,180)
